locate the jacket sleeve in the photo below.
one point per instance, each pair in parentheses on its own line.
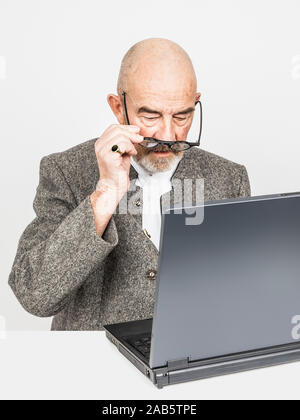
(59,248)
(244,189)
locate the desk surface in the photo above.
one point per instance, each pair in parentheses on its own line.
(85,365)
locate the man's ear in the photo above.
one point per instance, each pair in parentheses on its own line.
(115,104)
(197,97)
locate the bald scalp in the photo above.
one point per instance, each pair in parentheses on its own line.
(156,54)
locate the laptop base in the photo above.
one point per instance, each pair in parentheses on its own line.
(183,371)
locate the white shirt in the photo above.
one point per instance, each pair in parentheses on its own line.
(153,185)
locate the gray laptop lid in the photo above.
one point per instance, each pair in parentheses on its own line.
(230,284)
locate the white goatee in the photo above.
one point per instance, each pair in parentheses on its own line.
(160,165)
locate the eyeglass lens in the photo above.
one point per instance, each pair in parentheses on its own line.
(177,145)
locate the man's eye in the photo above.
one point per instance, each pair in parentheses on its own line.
(150,118)
(180,118)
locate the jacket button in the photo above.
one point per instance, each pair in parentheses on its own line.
(138,203)
(151,274)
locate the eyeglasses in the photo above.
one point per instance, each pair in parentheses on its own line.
(177,145)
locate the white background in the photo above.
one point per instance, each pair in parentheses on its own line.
(85,365)
(60,58)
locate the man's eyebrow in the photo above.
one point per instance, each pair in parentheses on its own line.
(186,111)
(148,110)
(152,111)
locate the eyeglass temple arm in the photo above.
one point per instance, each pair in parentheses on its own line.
(125,108)
(201,114)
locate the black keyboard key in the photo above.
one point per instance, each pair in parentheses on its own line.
(142,344)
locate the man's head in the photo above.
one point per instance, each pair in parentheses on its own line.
(160,84)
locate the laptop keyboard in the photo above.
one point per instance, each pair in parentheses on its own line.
(142,344)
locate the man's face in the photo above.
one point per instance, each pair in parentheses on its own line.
(165,116)
(163,109)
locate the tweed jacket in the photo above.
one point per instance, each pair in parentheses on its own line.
(64,270)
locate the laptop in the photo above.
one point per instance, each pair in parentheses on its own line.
(227,292)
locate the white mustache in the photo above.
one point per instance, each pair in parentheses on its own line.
(161,150)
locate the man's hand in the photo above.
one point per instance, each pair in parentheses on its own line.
(113,166)
(114,170)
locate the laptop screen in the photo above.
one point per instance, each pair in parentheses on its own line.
(230,284)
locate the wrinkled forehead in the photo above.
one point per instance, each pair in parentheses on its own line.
(162,87)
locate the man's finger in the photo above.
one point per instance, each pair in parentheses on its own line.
(130,127)
(127,129)
(131,136)
(125,145)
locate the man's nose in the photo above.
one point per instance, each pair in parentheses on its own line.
(166,132)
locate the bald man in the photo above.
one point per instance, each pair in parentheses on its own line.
(84,261)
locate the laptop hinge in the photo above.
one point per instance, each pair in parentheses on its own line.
(177,364)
